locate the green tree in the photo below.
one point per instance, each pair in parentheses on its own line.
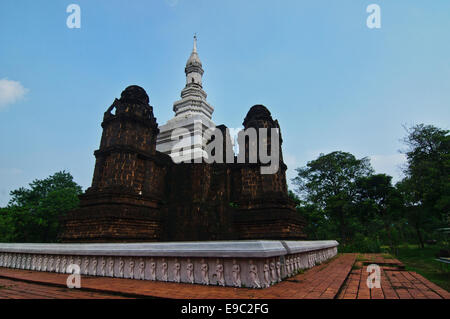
(32,213)
(317,227)
(7,229)
(426,187)
(329,184)
(378,200)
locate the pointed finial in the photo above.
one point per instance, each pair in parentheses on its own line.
(195,43)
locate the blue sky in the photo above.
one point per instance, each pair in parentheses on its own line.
(332,83)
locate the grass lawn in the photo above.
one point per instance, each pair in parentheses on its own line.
(423,262)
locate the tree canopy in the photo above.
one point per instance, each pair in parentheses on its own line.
(426,187)
(32,213)
(342,198)
(329,183)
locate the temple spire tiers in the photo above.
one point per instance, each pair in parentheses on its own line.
(192,113)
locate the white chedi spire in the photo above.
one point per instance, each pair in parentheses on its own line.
(194,70)
(193,98)
(194,58)
(192,113)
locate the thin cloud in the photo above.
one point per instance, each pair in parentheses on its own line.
(389,164)
(290,160)
(171,3)
(11,92)
(11,171)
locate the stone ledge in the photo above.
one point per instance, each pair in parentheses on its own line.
(294,247)
(256,249)
(252,263)
(245,248)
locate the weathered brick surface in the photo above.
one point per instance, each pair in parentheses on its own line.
(396,283)
(140,194)
(14,289)
(333,279)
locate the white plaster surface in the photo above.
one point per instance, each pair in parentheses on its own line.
(257,264)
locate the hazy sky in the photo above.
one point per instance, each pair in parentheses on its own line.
(332,83)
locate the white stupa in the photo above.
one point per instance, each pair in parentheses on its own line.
(192,113)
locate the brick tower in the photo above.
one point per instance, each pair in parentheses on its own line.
(123,203)
(264,209)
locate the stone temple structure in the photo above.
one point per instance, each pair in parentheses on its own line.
(192,112)
(146,217)
(139,194)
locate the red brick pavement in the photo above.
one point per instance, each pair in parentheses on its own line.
(333,279)
(396,283)
(13,289)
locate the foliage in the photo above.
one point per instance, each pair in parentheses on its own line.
(328,184)
(330,175)
(423,261)
(362,244)
(426,187)
(32,214)
(342,198)
(378,204)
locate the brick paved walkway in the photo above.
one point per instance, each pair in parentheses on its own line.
(13,289)
(396,283)
(337,278)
